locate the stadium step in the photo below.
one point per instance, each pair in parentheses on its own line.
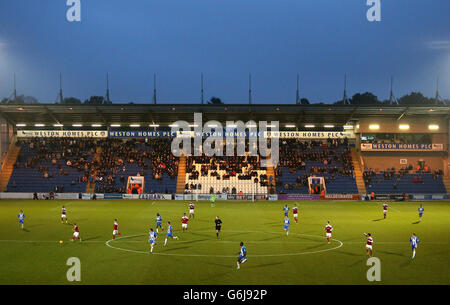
(181,180)
(270,173)
(90,187)
(358,171)
(8,165)
(446,181)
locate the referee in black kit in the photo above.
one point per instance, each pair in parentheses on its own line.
(218,225)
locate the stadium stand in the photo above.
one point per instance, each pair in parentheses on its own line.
(342,155)
(230,175)
(68,165)
(299,160)
(404,181)
(151,159)
(62,165)
(51,165)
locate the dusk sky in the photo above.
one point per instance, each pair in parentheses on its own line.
(225,40)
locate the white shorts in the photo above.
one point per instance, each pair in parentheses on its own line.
(184,225)
(76,234)
(369,247)
(191,211)
(115,232)
(384,211)
(295,215)
(63,216)
(328,234)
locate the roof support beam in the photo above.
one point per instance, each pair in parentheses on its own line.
(150,117)
(52,115)
(301,114)
(402,114)
(100,113)
(352,114)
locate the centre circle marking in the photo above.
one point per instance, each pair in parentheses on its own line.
(108,243)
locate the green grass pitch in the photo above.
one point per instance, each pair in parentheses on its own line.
(35,255)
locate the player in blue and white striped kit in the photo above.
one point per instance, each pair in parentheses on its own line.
(169,233)
(242,255)
(158,222)
(286,210)
(21,218)
(421,209)
(286,224)
(152,239)
(414,241)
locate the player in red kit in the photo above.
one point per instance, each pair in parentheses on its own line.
(328,230)
(76,232)
(385,209)
(369,244)
(63,215)
(116,229)
(295,213)
(184,222)
(191,210)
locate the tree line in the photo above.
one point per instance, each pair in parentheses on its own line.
(367,98)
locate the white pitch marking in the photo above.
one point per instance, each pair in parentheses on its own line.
(395,209)
(45,241)
(219,241)
(212,255)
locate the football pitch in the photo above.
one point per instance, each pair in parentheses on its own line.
(35,255)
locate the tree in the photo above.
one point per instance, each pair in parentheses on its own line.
(21,99)
(415,98)
(30,100)
(215,101)
(366,98)
(71,101)
(304,101)
(95,100)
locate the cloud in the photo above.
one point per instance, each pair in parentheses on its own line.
(439,45)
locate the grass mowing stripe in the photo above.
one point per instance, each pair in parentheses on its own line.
(34,255)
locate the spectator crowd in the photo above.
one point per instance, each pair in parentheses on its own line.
(108,168)
(330,158)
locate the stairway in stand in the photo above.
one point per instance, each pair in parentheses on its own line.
(90,187)
(446,181)
(181,179)
(358,171)
(8,165)
(270,172)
